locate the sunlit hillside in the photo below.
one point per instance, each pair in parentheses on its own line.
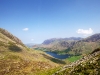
(17,59)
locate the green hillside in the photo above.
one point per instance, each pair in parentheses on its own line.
(17,59)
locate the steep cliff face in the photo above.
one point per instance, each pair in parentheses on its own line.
(88,65)
(17,59)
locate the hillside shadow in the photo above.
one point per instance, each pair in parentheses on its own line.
(15,48)
(54,59)
(96,50)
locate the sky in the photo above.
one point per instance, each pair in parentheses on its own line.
(34,21)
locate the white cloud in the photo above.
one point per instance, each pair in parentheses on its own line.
(85,32)
(26,29)
(32,39)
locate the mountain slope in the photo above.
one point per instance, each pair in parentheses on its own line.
(17,59)
(86,45)
(88,65)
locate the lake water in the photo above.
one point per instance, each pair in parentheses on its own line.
(58,56)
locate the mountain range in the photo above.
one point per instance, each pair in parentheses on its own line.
(50,41)
(73,45)
(57,44)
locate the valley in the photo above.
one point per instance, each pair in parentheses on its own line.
(72,45)
(83,54)
(49,58)
(49,37)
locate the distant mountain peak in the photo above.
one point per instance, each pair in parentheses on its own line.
(93,38)
(49,41)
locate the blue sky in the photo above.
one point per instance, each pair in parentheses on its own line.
(34,21)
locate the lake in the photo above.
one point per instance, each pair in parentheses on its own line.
(58,56)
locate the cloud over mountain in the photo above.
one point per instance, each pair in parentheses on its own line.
(85,32)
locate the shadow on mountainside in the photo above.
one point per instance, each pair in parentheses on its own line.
(54,59)
(15,48)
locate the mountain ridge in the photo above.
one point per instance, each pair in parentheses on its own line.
(48,41)
(87,45)
(55,44)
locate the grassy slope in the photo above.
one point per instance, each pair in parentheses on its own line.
(73,58)
(17,59)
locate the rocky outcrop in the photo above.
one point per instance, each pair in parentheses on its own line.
(90,62)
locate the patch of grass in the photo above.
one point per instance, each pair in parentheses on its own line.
(2,44)
(73,58)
